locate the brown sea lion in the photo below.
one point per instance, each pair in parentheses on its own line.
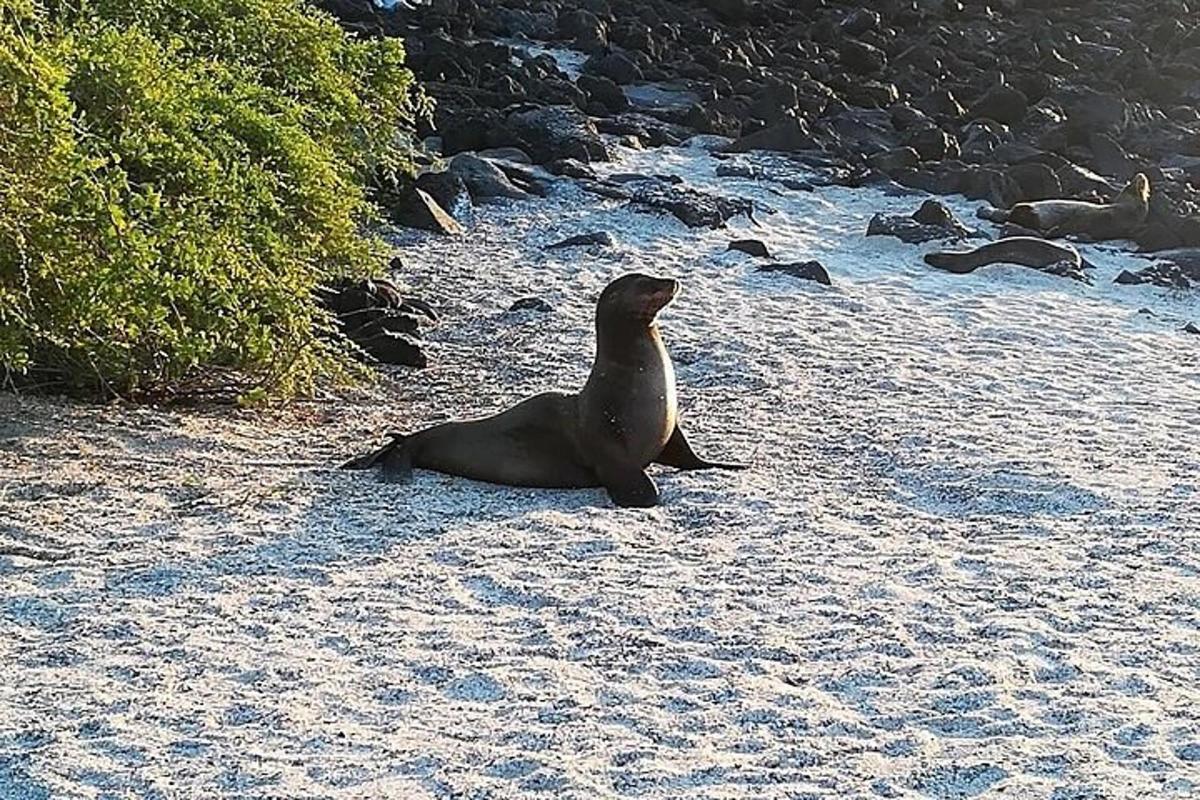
(624,419)
(1024,250)
(1115,220)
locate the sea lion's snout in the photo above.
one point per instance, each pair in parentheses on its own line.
(655,294)
(664,290)
(636,297)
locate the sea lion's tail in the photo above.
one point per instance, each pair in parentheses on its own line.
(394,459)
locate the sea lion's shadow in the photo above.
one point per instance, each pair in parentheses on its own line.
(349,519)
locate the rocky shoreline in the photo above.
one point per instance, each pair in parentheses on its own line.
(1002,102)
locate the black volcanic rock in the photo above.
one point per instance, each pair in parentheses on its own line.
(556,132)
(806,270)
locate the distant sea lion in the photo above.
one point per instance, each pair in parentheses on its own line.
(624,419)
(1115,220)
(1057,259)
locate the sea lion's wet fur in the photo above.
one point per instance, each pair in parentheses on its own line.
(1024,250)
(1114,220)
(606,435)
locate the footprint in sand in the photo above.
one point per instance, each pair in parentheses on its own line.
(957,781)
(475,688)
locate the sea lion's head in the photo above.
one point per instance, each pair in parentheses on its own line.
(634,299)
(1137,190)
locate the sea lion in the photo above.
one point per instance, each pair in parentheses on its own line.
(1115,220)
(1057,259)
(624,419)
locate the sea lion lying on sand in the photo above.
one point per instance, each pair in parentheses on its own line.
(1040,254)
(1116,220)
(624,419)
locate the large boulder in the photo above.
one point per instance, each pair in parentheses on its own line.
(416,209)
(692,208)
(860,57)
(604,91)
(1089,111)
(555,132)
(788,136)
(1002,103)
(448,190)
(588,31)
(615,66)
(483,179)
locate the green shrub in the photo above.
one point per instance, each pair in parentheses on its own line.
(176,177)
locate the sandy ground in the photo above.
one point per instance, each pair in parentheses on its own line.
(965,562)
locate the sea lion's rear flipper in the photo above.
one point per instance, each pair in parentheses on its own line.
(394,460)
(1067,268)
(679,454)
(630,489)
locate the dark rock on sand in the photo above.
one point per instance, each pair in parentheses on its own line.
(932,144)
(597,239)
(588,32)
(531,304)
(365,324)
(806,270)
(752,247)
(374,315)
(1036,181)
(394,348)
(1174,269)
(930,222)
(890,161)
(694,209)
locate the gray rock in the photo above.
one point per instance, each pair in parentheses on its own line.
(483,179)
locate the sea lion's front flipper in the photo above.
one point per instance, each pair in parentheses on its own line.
(679,454)
(630,489)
